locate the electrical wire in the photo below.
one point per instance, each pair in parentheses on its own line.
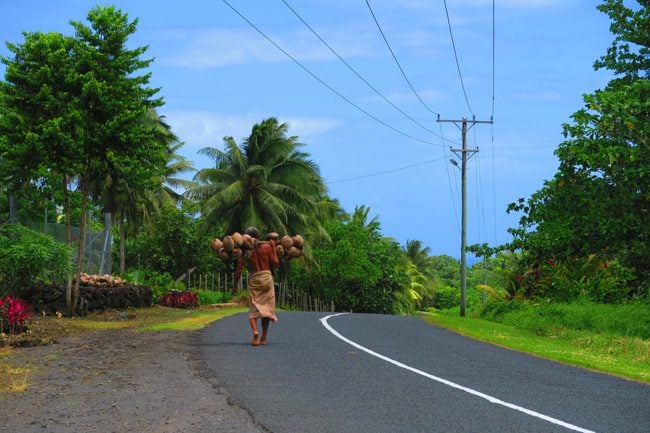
(451,189)
(453,44)
(379,173)
(355,71)
(397,61)
(324,83)
(493,54)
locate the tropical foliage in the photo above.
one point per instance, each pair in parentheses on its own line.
(597,203)
(27,256)
(72,112)
(268,183)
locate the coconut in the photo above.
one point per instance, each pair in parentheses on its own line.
(272,236)
(247,242)
(216,245)
(237,238)
(228,243)
(223,255)
(294,252)
(279,250)
(286,242)
(236,253)
(298,242)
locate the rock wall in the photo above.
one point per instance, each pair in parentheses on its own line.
(50,298)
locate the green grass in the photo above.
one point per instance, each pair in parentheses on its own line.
(623,356)
(197,319)
(154,318)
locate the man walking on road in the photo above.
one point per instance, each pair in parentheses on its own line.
(259,262)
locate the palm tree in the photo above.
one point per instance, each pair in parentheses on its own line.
(133,206)
(268,182)
(419,256)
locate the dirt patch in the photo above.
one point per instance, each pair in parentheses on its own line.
(118,380)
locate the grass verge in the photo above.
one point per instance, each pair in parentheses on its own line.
(627,357)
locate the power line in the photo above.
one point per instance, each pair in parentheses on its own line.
(355,71)
(451,34)
(451,189)
(493,55)
(384,172)
(324,83)
(397,61)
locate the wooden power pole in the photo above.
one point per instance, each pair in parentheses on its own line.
(464,154)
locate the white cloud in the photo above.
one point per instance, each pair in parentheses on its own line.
(200,129)
(219,47)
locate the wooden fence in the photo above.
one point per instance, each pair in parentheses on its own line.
(287,295)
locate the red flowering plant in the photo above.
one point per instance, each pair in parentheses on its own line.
(176,299)
(14,312)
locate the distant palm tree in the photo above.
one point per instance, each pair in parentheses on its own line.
(360,218)
(419,256)
(268,182)
(172,187)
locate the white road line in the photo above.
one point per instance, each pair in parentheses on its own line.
(450,383)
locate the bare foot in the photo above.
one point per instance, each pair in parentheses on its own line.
(263,342)
(256,339)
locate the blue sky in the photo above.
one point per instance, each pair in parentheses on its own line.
(219,76)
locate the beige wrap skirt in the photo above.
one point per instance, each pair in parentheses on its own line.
(261,296)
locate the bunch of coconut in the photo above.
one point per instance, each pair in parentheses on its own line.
(232,247)
(290,247)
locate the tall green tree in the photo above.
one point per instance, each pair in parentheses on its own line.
(268,182)
(359,269)
(89,116)
(599,200)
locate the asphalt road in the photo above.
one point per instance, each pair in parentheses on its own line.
(374,373)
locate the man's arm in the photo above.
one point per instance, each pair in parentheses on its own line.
(273,258)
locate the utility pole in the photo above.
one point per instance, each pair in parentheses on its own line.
(465,154)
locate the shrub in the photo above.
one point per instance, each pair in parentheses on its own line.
(15,312)
(179,300)
(446,297)
(207,297)
(27,256)
(160,282)
(627,320)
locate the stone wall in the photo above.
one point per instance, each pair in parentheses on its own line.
(50,298)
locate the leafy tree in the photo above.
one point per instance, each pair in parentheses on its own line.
(171,244)
(447,270)
(358,269)
(132,205)
(74,106)
(268,182)
(597,203)
(40,123)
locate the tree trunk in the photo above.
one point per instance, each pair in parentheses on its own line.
(80,251)
(122,247)
(68,233)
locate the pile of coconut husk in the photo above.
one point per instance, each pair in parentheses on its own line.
(232,247)
(101,280)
